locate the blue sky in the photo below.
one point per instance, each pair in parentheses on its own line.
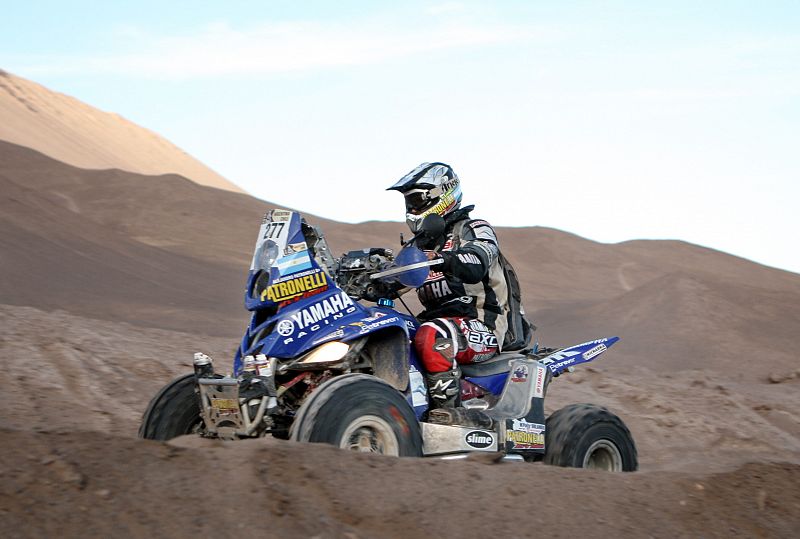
(612,120)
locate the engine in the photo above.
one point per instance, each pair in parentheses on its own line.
(354,268)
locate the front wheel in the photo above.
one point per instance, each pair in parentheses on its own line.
(174,411)
(361,413)
(589,436)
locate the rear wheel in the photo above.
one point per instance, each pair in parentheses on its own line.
(589,436)
(174,411)
(361,413)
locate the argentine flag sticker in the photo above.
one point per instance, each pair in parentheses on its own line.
(294,262)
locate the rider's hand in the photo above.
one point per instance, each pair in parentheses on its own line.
(432,255)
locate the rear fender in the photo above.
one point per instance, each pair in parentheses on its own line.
(525,382)
(565,358)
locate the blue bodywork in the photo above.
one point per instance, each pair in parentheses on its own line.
(565,358)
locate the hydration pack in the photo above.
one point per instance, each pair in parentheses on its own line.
(519,332)
(518,335)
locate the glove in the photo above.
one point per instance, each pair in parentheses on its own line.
(429,240)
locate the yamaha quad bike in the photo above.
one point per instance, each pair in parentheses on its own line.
(318,365)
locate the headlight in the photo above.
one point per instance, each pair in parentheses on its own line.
(327,353)
(268,255)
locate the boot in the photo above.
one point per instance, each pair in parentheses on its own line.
(444,390)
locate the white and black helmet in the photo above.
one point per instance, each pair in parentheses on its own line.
(429,188)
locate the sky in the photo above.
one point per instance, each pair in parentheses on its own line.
(613,120)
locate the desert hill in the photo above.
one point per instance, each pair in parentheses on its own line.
(165,252)
(56,258)
(73,132)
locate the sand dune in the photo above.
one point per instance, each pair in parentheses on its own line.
(73,132)
(139,248)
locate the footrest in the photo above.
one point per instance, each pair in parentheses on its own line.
(462,417)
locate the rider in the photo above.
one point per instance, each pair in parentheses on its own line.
(466,296)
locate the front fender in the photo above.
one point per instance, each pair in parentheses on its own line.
(387,351)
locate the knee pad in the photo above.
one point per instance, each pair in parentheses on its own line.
(436,347)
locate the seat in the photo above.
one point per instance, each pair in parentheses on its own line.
(496,365)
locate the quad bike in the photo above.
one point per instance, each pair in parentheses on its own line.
(318,365)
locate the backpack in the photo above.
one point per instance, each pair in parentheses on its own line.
(519,332)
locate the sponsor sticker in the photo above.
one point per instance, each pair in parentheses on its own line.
(524,426)
(524,435)
(596,351)
(419,392)
(479,439)
(555,366)
(338,334)
(538,386)
(366,328)
(281,215)
(296,286)
(285,327)
(319,315)
(296,248)
(225,406)
(525,440)
(558,356)
(328,307)
(520,373)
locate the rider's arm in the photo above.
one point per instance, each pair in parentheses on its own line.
(470,261)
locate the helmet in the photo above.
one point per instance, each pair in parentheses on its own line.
(429,188)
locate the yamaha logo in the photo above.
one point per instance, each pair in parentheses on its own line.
(479,440)
(285,327)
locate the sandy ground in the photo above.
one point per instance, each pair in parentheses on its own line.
(718,459)
(94,485)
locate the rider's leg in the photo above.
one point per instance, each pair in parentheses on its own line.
(444,343)
(437,343)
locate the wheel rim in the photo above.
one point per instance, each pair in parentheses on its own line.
(603,455)
(370,434)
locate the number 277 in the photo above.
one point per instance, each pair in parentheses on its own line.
(273,230)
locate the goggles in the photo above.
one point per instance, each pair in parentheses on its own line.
(418,200)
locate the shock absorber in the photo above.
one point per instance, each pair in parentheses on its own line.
(203,366)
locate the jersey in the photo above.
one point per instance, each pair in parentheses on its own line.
(470,282)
